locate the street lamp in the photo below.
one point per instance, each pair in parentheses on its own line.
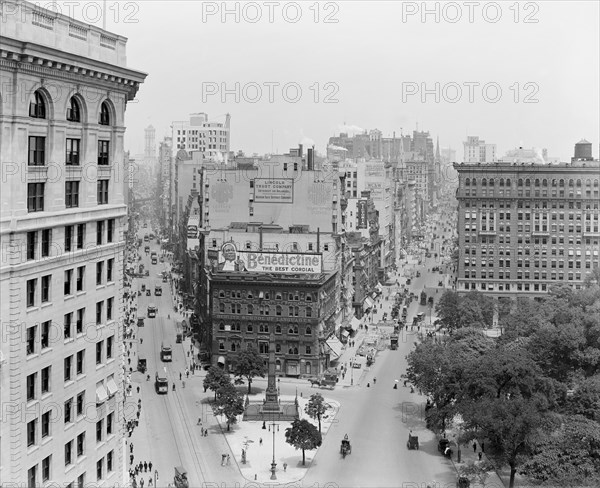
(273,464)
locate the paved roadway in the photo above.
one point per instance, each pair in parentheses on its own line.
(376,419)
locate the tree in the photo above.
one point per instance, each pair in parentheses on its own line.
(216,378)
(250,364)
(512,425)
(475,310)
(447,309)
(316,407)
(230,403)
(569,456)
(476,471)
(303,435)
(586,399)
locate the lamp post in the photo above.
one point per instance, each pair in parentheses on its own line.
(273,464)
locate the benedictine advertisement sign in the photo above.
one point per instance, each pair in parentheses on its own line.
(277,262)
(273,190)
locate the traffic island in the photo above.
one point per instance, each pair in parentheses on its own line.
(256,445)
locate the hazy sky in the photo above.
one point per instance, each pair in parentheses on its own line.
(371,61)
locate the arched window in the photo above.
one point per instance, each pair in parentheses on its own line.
(501,182)
(520,182)
(483,182)
(468,182)
(308,330)
(588,182)
(309,311)
(233,347)
(37,106)
(544,182)
(578,184)
(278,329)
(554,182)
(277,347)
(104,118)
(293,329)
(491,182)
(250,309)
(561,183)
(474,182)
(278,310)
(508,182)
(74,111)
(221,326)
(571,183)
(595,183)
(222,307)
(527,182)
(222,293)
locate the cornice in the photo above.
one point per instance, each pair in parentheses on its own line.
(127,81)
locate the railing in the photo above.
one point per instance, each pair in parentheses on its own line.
(78,32)
(108,42)
(42,20)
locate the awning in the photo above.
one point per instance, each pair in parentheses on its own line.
(354,323)
(101,395)
(379,287)
(335,345)
(111,386)
(368,303)
(221,360)
(374,295)
(345,333)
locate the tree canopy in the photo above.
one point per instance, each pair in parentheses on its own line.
(249,365)
(304,436)
(216,378)
(230,403)
(316,407)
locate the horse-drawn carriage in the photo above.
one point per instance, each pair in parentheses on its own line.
(345,448)
(413,442)
(327,380)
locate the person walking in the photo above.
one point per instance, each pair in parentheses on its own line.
(142,482)
(150,466)
(145,467)
(228,459)
(474,446)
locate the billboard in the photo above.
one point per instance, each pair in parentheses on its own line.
(230,259)
(361,214)
(273,190)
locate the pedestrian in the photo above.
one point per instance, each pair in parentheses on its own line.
(260,441)
(145,467)
(150,466)
(131,459)
(138,390)
(284,467)
(228,459)
(187,374)
(223,457)
(150,481)
(474,446)
(482,446)
(142,482)
(141,340)
(480,455)
(180,376)
(199,421)
(138,414)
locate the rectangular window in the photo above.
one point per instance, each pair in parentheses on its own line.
(68,362)
(72,156)
(31,386)
(31,245)
(80,236)
(35,197)
(103,147)
(46,240)
(110,231)
(31,433)
(68,453)
(99,232)
(99,352)
(110,419)
(80,278)
(37,150)
(79,321)
(71,194)
(110,264)
(46,424)
(109,462)
(99,272)
(46,288)
(80,403)
(81,444)
(100,469)
(80,367)
(68,325)
(102,192)
(31,335)
(46,379)
(32,477)
(31,286)
(99,430)
(45,339)
(99,313)
(109,308)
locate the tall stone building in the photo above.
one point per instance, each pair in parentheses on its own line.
(64,89)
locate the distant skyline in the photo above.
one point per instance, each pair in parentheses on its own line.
(370,66)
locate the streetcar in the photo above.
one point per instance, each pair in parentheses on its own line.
(152,310)
(166,354)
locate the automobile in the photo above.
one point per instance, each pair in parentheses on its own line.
(408,281)
(356,365)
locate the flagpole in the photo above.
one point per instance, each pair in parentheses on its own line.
(104,14)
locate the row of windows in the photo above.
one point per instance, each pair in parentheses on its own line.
(69,456)
(506,275)
(38,295)
(518,286)
(544,193)
(39,242)
(36,193)
(37,109)
(529,204)
(266,295)
(263,328)
(37,152)
(236,308)
(39,383)
(536,183)
(263,348)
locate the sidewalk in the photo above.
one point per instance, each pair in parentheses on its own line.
(470,455)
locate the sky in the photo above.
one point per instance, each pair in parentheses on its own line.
(513,73)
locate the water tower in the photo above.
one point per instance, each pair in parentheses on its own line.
(583,151)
